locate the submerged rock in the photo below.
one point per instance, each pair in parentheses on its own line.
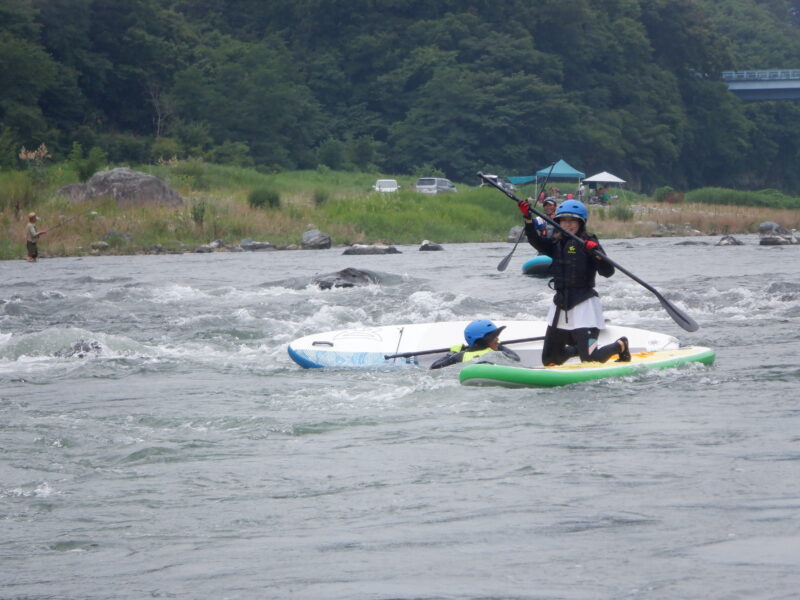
(430,246)
(729,240)
(80,349)
(348,277)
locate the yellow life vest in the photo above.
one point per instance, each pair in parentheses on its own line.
(469,355)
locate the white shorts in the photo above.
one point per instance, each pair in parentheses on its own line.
(588,313)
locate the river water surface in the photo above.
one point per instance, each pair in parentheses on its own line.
(185,455)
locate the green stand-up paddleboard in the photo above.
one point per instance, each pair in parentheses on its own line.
(489,374)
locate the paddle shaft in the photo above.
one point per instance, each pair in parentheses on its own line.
(681,318)
(503,264)
(440,350)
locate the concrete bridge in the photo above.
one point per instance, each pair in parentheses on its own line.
(778,84)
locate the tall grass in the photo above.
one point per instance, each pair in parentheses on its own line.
(17,192)
(760,198)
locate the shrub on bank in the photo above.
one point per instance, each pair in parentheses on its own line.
(759,198)
(264,198)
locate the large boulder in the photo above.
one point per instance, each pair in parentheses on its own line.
(514,234)
(314,239)
(772,234)
(371,249)
(215,246)
(126,187)
(253,246)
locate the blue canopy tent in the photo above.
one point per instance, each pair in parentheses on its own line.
(561,170)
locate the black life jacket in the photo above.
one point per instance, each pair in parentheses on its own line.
(574,271)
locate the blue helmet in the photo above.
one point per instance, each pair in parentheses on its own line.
(572,208)
(481,330)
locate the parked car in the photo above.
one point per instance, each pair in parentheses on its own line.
(386,185)
(434,185)
(501,181)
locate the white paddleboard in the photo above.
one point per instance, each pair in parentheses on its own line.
(368,347)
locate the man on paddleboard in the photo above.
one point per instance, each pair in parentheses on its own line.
(576,315)
(481,337)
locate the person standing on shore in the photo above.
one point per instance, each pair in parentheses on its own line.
(32,238)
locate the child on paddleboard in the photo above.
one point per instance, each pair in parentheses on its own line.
(482,337)
(575,318)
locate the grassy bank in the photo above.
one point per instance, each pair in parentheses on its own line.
(220,205)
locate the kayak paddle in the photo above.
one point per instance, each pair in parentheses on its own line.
(681,318)
(440,350)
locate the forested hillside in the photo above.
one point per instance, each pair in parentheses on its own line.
(406,86)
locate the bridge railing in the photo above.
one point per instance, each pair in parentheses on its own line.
(764,75)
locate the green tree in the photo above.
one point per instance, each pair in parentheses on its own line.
(26,72)
(135,47)
(331,153)
(250,93)
(87,166)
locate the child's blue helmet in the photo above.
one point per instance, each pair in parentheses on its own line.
(481,330)
(572,208)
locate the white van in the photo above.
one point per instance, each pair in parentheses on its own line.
(434,185)
(386,185)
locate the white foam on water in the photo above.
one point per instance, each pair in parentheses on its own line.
(177,293)
(42,490)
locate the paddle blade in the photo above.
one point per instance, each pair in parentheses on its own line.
(680,317)
(503,265)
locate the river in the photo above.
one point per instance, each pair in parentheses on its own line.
(184,455)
